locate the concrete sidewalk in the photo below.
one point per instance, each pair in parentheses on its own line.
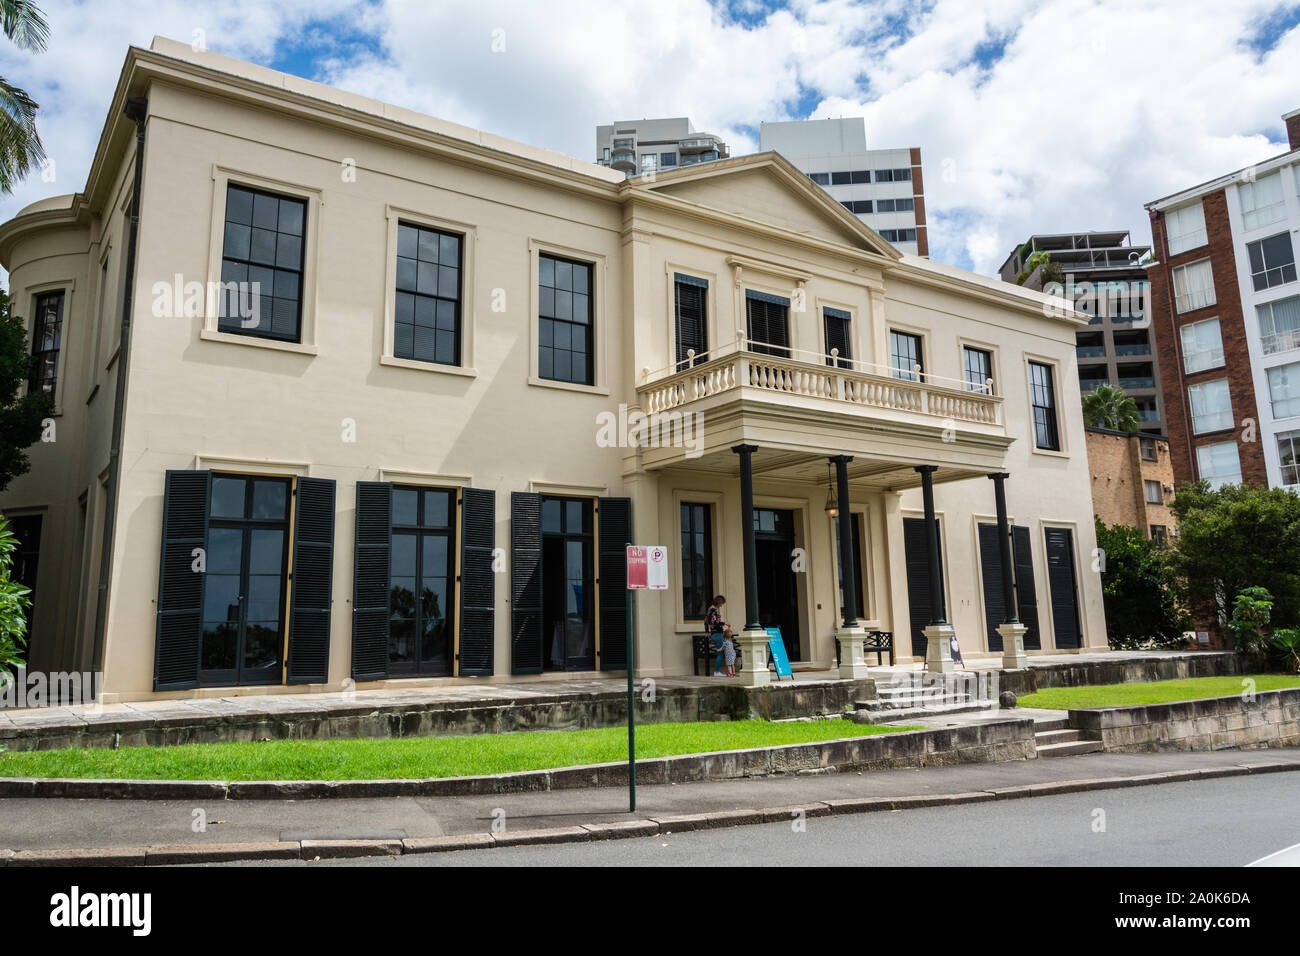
(27,824)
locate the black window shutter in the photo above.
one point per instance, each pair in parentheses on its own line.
(1060,578)
(691,333)
(918,580)
(525,582)
(370,580)
(837,336)
(991,572)
(614,528)
(478,523)
(179,627)
(1026,594)
(312,592)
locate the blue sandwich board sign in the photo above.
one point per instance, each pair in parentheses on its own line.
(776,644)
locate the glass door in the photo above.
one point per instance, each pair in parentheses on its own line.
(420,626)
(244,582)
(568,584)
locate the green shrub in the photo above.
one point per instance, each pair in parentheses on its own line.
(1136,585)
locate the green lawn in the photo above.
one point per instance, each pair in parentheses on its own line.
(1158,692)
(416,757)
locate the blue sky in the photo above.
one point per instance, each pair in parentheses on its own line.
(1031,116)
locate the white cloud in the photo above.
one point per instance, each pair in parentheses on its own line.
(1092,108)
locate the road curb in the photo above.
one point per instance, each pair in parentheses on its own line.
(310,850)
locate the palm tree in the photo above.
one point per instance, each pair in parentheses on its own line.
(1108,407)
(20,144)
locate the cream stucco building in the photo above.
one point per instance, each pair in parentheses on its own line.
(459,373)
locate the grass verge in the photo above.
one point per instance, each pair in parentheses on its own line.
(419,757)
(1156,692)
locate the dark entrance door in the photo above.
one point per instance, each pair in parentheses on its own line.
(244,586)
(778,601)
(918,580)
(1060,580)
(568,585)
(422,569)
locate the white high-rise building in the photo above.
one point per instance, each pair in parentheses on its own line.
(882,187)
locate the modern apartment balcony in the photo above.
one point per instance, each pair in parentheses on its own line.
(700,144)
(623,159)
(799,409)
(1091,351)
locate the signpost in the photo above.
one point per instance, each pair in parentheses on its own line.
(776,644)
(647,568)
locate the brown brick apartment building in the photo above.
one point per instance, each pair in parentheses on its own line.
(1225,316)
(1132,480)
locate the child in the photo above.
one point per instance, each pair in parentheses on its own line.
(720,636)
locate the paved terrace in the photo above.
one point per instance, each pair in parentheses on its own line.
(540,704)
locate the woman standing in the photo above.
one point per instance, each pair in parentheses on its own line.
(720,636)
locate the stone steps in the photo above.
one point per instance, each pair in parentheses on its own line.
(1069,749)
(1056,738)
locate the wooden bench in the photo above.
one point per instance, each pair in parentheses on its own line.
(877,642)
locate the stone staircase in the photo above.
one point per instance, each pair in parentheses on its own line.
(1055,738)
(909,702)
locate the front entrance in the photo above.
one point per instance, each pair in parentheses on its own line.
(568,585)
(778,596)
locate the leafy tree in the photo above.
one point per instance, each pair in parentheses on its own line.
(1108,407)
(20,417)
(13,605)
(20,144)
(1234,538)
(1136,586)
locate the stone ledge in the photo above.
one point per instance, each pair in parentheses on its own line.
(1207,723)
(994,741)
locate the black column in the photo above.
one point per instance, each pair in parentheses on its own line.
(1011,615)
(937,613)
(747,535)
(848,560)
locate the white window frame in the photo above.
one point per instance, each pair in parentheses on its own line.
(1291,403)
(1253,214)
(1185,228)
(1217,480)
(1189,300)
(1292,438)
(1193,361)
(1276,342)
(1210,421)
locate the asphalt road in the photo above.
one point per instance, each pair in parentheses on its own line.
(1223,822)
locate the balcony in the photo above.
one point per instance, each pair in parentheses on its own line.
(1281,341)
(623,159)
(800,409)
(1138,348)
(1091,351)
(699,144)
(1137,381)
